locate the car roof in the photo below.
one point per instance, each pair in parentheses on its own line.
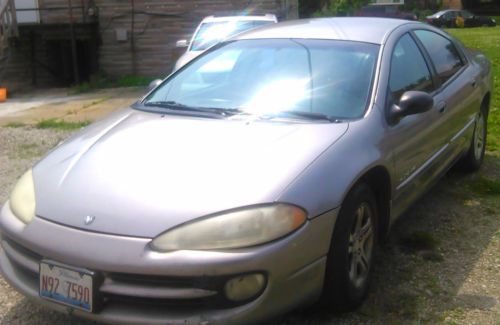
(212,19)
(370,30)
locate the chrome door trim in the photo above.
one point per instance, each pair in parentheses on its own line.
(435,155)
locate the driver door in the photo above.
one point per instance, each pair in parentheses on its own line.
(418,139)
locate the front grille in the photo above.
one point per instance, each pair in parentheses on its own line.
(136,289)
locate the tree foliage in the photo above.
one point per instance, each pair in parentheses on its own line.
(340,7)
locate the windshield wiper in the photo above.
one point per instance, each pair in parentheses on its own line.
(303,115)
(173,105)
(177,106)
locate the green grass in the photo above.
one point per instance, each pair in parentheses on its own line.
(487,40)
(61,125)
(484,186)
(134,81)
(100,81)
(15,125)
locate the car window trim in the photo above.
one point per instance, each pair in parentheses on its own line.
(429,68)
(428,61)
(441,85)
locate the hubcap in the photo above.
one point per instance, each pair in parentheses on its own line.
(479,137)
(361,241)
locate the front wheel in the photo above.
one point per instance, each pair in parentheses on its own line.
(474,157)
(351,256)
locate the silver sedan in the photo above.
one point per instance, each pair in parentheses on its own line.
(257,178)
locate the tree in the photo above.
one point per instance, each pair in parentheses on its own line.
(340,7)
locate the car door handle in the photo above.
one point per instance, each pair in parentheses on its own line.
(441,107)
(473,83)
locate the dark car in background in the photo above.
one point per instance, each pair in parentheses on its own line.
(448,18)
(386,10)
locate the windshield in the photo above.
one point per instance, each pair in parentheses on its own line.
(215,32)
(275,75)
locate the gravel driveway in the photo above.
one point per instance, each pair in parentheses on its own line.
(441,263)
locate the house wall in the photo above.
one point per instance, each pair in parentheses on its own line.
(452,4)
(151,32)
(21,69)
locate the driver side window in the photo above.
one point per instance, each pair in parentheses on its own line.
(409,70)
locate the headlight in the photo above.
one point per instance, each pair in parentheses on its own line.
(22,199)
(236,229)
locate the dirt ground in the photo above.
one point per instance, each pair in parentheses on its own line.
(57,104)
(440,264)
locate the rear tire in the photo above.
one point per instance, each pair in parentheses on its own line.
(475,155)
(350,260)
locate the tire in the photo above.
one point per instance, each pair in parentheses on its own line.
(475,155)
(349,265)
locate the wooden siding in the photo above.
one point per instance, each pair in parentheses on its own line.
(20,68)
(148,51)
(158,24)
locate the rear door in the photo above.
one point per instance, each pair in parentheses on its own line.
(457,88)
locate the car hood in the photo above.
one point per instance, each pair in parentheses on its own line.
(139,174)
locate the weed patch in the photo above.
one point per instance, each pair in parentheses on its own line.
(15,125)
(27,151)
(484,186)
(100,81)
(61,125)
(419,241)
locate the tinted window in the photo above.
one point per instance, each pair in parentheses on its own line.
(408,69)
(467,14)
(450,15)
(443,53)
(260,76)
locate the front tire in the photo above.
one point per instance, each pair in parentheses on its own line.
(475,155)
(351,256)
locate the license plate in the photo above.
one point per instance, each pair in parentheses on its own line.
(69,286)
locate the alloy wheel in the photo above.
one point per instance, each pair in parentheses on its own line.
(361,242)
(479,137)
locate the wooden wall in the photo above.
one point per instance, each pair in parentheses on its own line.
(21,71)
(150,48)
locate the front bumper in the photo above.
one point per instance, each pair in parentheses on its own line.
(143,286)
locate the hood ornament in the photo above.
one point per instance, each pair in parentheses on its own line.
(88,220)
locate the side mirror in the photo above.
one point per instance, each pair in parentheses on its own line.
(410,103)
(153,84)
(182,43)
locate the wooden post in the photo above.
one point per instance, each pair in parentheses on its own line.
(84,16)
(74,57)
(132,40)
(15,30)
(33,57)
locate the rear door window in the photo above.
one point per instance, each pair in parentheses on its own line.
(443,54)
